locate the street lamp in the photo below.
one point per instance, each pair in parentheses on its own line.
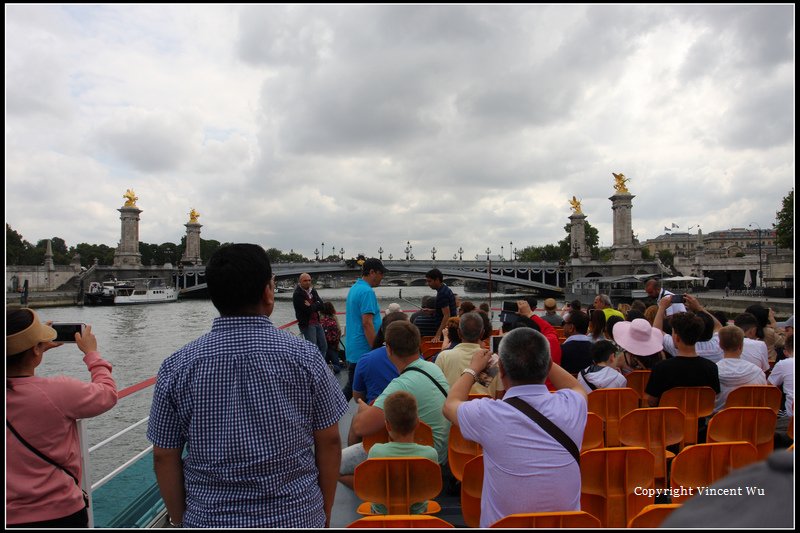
(511,250)
(390,257)
(460,253)
(433,253)
(408,249)
(488,251)
(760,273)
(323,251)
(341,252)
(316,254)
(380,253)
(501,252)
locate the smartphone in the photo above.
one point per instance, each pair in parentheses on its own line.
(496,343)
(677,298)
(510,306)
(65,332)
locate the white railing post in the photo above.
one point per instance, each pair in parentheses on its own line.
(86,483)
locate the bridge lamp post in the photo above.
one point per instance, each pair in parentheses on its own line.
(515,254)
(412,256)
(760,274)
(460,253)
(408,249)
(323,251)
(390,257)
(341,252)
(316,254)
(488,251)
(433,253)
(380,253)
(455,257)
(511,250)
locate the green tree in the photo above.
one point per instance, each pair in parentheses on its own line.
(646,255)
(784,226)
(17,248)
(667,257)
(592,240)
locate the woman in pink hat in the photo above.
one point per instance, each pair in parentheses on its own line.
(43,456)
(642,345)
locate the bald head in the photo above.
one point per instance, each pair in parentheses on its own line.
(305,281)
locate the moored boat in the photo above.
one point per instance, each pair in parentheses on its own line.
(145,291)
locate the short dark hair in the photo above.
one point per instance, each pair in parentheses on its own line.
(435,274)
(746,321)
(580,321)
(602,351)
(403,338)
(708,329)
(688,327)
(609,327)
(380,337)
(237,275)
(400,409)
(525,354)
(575,305)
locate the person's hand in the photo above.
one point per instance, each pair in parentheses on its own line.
(480,360)
(86,342)
(48,345)
(524,308)
(771,316)
(437,338)
(692,303)
(665,302)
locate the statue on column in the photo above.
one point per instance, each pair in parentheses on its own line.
(576,206)
(130,197)
(193,216)
(619,186)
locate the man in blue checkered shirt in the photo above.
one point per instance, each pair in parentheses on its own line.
(255,408)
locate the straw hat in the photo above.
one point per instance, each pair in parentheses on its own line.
(30,336)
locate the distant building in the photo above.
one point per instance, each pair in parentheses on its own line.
(724,243)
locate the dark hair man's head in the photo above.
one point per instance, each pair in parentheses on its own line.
(434,274)
(609,328)
(400,409)
(237,276)
(471,327)
(708,329)
(403,339)
(688,327)
(748,323)
(525,356)
(579,321)
(575,305)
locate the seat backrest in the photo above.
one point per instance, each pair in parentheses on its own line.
(609,479)
(637,380)
(755,396)
(397,482)
(459,451)
(755,425)
(701,465)
(593,436)
(611,405)
(428,353)
(694,403)
(400,522)
(653,515)
(422,435)
(471,491)
(562,519)
(654,429)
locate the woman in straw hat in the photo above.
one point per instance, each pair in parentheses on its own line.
(43,457)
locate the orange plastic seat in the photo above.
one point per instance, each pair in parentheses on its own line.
(459,451)
(611,405)
(755,425)
(755,396)
(428,353)
(701,465)
(426,338)
(609,477)
(422,435)
(653,515)
(593,433)
(654,429)
(562,519)
(401,521)
(471,491)
(694,403)
(637,380)
(397,482)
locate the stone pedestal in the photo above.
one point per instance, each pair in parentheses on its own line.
(191,255)
(623,247)
(127,252)
(577,237)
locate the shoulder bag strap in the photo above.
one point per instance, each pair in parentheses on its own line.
(438,385)
(40,454)
(583,373)
(545,423)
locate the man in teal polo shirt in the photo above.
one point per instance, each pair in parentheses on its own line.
(363,318)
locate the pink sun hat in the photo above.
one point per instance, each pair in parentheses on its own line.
(638,337)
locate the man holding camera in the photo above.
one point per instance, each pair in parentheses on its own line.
(527,468)
(654,290)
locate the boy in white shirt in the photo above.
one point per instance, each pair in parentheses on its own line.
(734,371)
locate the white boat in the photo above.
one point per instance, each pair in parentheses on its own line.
(145,291)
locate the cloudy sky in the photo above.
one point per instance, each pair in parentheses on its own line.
(368,126)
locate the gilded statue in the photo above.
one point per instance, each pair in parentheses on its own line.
(576,205)
(130,198)
(193,216)
(619,186)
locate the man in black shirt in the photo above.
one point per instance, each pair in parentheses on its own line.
(445,300)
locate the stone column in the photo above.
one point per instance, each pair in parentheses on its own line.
(191,255)
(127,252)
(577,233)
(623,246)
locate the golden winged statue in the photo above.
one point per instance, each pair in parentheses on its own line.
(619,186)
(193,216)
(576,205)
(130,198)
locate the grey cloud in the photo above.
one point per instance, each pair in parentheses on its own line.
(760,118)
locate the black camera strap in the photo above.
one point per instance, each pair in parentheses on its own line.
(549,427)
(47,459)
(415,369)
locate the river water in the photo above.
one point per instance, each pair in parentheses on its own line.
(136,339)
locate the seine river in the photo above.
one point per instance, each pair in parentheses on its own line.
(136,339)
